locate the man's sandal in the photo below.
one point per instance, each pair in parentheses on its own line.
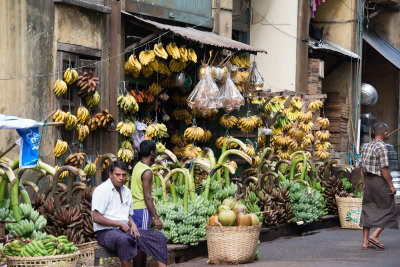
(376,243)
(368,247)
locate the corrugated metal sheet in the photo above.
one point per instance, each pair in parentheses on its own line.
(332,47)
(208,38)
(382,46)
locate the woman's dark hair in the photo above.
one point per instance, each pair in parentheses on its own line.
(146,146)
(119,164)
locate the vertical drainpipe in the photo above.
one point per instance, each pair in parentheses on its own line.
(356,149)
(115,39)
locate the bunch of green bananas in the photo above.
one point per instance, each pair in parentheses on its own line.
(93,100)
(90,169)
(50,245)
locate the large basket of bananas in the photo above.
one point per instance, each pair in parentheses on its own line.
(349,212)
(67,260)
(232,244)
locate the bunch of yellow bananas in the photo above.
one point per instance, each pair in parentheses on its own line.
(219,143)
(228,121)
(306,141)
(70,121)
(160,51)
(162,68)
(322,155)
(133,65)
(156,130)
(306,126)
(192,55)
(155,88)
(194,133)
(82,130)
(284,154)
(323,122)
(176,65)
(126,128)
(292,114)
(315,105)
(60,148)
(173,50)
(323,135)
(305,116)
(160,147)
(62,175)
(60,88)
(281,141)
(242,76)
(242,62)
(293,145)
(183,54)
(248,124)
(206,137)
(180,114)
(128,103)
(93,100)
(249,150)
(322,145)
(296,102)
(147,71)
(60,116)
(70,76)
(178,139)
(262,141)
(297,134)
(146,56)
(125,155)
(191,151)
(179,100)
(90,169)
(127,145)
(82,114)
(288,126)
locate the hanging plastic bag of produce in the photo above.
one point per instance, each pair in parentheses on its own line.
(205,96)
(230,96)
(255,82)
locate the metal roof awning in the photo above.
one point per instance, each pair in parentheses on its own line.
(203,37)
(331,47)
(382,46)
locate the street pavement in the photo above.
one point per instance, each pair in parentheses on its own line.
(326,247)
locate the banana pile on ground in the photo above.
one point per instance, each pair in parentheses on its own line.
(242,62)
(75,159)
(248,124)
(333,187)
(128,104)
(156,131)
(60,148)
(227,121)
(93,100)
(87,83)
(60,88)
(86,204)
(66,221)
(232,213)
(185,227)
(30,225)
(48,246)
(70,76)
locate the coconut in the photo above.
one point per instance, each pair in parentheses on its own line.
(222,207)
(228,202)
(227,218)
(239,208)
(243,220)
(254,219)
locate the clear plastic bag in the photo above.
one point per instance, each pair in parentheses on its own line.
(205,96)
(230,96)
(255,82)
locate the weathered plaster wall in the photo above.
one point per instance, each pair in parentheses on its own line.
(26,49)
(278,67)
(384,77)
(386,24)
(338,17)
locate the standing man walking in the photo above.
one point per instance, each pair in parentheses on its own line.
(378,205)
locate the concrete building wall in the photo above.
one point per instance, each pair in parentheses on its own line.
(30,31)
(26,49)
(278,67)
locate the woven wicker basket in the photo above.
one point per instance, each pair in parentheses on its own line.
(349,212)
(67,260)
(232,245)
(87,256)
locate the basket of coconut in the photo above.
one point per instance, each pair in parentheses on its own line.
(232,235)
